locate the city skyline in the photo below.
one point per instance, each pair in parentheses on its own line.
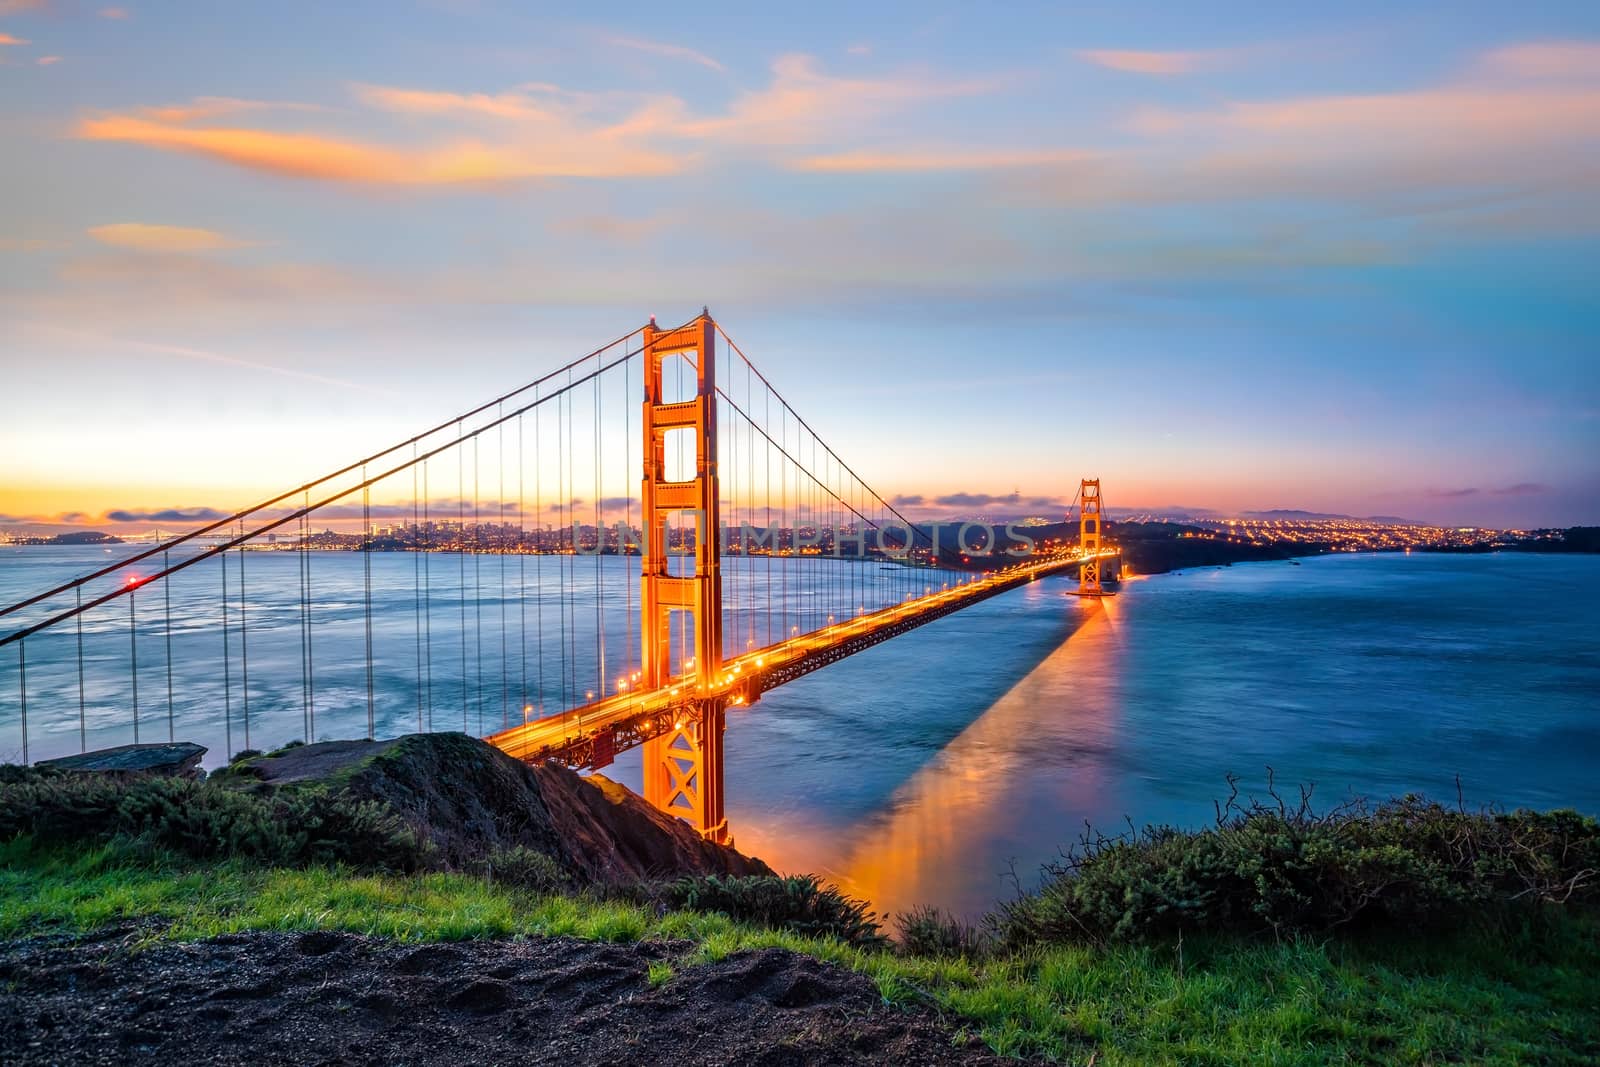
(1230,262)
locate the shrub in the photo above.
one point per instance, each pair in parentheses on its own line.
(207,820)
(927,931)
(1283,868)
(525,868)
(800,903)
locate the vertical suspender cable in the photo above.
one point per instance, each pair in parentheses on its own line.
(244,645)
(538,559)
(599,549)
(83,712)
(227,665)
(133,662)
(427,594)
(22,694)
(310,663)
(415,541)
(500,549)
(461,561)
(477,579)
(166,590)
(522,570)
(561,564)
(366,577)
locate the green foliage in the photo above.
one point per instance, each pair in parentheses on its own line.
(660,973)
(525,868)
(1286,869)
(206,820)
(801,903)
(927,931)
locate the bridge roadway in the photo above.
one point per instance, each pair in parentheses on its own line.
(590,735)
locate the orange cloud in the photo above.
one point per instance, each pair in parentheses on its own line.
(115,13)
(149,238)
(6,38)
(17,7)
(425,102)
(538,131)
(301,155)
(953,159)
(1135,62)
(670,51)
(48,61)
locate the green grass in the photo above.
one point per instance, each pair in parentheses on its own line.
(1525,996)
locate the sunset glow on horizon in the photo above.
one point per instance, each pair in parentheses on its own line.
(1228,261)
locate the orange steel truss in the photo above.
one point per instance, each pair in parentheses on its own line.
(1089,538)
(683,764)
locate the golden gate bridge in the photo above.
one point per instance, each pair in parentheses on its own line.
(734,487)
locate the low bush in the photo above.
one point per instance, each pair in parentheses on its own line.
(1284,868)
(927,931)
(207,820)
(525,868)
(800,903)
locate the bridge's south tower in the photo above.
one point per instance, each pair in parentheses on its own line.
(683,763)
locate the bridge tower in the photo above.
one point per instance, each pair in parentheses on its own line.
(683,763)
(1089,538)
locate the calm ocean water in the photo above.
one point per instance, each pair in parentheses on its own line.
(926,769)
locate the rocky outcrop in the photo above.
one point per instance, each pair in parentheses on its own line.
(471,800)
(178,760)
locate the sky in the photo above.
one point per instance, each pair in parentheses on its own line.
(1232,256)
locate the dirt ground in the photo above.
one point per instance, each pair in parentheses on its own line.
(337,998)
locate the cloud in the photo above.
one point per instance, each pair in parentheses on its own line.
(166,515)
(1438,118)
(17,7)
(1521,489)
(427,102)
(117,13)
(564,153)
(6,38)
(149,238)
(26,244)
(1574,60)
(1137,62)
(206,107)
(1487,153)
(670,51)
(1452,494)
(940,160)
(534,130)
(803,103)
(975,500)
(608,227)
(48,61)
(907,500)
(146,265)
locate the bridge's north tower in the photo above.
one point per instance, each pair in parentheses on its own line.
(683,763)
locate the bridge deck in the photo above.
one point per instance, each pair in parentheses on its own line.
(587,736)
